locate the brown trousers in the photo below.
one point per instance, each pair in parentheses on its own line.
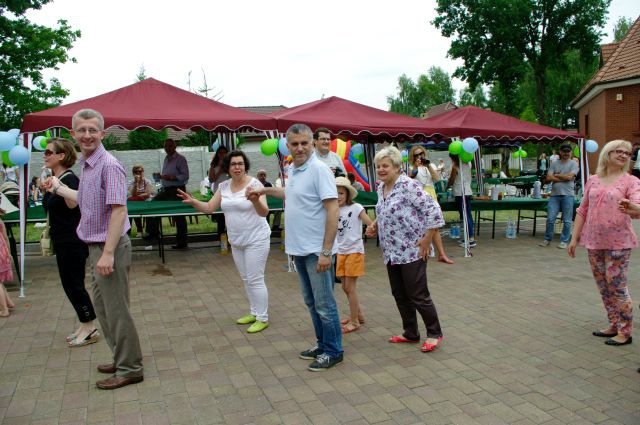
(409,288)
(111,303)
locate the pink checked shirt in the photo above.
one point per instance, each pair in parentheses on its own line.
(605,227)
(103,183)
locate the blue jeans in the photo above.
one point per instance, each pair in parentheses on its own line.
(317,292)
(556,204)
(467,201)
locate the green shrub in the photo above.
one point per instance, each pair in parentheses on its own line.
(146,138)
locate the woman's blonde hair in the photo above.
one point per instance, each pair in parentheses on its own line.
(390,152)
(414,150)
(65,146)
(603,159)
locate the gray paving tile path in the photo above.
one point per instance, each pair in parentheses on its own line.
(518,348)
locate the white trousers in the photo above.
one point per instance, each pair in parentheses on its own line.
(250,261)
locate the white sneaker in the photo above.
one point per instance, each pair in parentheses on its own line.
(544,243)
(562,245)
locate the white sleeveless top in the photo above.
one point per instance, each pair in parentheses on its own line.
(465,170)
(244,225)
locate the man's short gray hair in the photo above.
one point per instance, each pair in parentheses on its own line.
(390,152)
(300,129)
(87,114)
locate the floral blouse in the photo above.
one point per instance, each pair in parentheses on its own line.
(403,217)
(605,227)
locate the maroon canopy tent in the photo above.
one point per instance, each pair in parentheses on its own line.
(343,116)
(153,104)
(487,126)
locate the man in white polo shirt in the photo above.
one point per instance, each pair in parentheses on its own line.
(311,201)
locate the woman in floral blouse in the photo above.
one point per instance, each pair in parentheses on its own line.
(603,226)
(407,219)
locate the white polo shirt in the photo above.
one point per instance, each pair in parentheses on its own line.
(304,212)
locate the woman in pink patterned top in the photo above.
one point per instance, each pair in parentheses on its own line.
(607,234)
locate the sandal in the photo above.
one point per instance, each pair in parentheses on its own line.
(396,339)
(345,321)
(350,327)
(427,346)
(89,339)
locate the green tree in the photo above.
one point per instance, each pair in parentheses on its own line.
(476,97)
(414,98)
(499,40)
(147,138)
(142,74)
(621,28)
(26,50)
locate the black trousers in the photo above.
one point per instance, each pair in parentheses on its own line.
(409,288)
(72,260)
(153,223)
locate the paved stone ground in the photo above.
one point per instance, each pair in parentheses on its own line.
(518,348)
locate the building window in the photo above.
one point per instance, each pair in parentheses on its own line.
(586,124)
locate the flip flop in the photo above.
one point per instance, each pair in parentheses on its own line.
(89,339)
(350,327)
(71,337)
(345,321)
(396,339)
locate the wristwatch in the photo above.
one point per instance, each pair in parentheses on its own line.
(326,252)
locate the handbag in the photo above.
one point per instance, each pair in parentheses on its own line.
(46,247)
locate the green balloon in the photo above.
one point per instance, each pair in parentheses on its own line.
(360,158)
(516,154)
(455,147)
(576,152)
(43,143)
(269,147)
(523,153)
(6,160)
(466,156)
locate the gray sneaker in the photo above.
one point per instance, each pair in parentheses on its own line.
(324,362)
(310,354)
(562,245)
(544,243)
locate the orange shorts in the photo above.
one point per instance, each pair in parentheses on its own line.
(350,265)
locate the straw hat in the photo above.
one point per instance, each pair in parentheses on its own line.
(344,182)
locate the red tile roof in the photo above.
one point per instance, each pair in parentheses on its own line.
(263,110)
(622,64)
(438,109)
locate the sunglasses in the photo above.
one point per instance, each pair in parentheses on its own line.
(48,152)
(138,171)
(418,154)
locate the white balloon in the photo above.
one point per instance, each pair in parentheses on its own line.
(37,143)
(470,145)
(7,140)
(19,155)
(591,146)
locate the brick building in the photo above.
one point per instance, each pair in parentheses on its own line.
(609,104)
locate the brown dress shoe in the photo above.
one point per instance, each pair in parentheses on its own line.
(107,368)
(118,382)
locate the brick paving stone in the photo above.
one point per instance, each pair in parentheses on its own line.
(514,352)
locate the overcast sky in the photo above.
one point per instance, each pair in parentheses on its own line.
(257,52)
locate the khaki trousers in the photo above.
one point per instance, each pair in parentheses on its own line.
(111,303)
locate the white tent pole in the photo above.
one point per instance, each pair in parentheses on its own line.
(23,212)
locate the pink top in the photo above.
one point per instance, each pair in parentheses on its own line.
(103,183)
(605,227)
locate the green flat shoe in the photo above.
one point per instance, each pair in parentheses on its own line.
(245,320)
(258,326)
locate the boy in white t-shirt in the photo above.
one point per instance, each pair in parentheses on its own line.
(350,258)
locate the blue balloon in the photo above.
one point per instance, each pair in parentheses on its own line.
(19,155)
(14,131)
(7,141)
(470,145)
(591,146)
(215,146)
(282,146)
(357,149)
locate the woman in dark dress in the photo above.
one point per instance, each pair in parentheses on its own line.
(71,252)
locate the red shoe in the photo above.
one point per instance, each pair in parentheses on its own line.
(426,347)
(395,339)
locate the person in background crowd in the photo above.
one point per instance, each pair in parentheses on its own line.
(356,184)
(6,271)
(407,219)
(554,157)
(102,198)
(425,173)
(249,233)
(174,177)
(543,165)
(562,174)
(71,253)
(322,140)
(140,189)
(262,177)
(603,226)
(635,164)
(34,190)
(216,177)
(455,181)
